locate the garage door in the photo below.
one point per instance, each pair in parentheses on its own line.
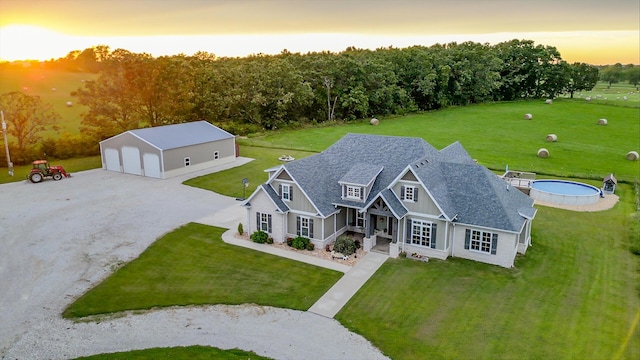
(131,160)
(151,165)
(112,159)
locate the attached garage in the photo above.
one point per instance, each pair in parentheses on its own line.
(165,151)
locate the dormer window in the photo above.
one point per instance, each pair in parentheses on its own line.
(353,192)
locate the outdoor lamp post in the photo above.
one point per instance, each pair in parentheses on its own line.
(6,144)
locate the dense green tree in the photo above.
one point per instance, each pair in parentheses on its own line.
(632,75)
(268,92)
(27,116)
(581,77)
(612,74)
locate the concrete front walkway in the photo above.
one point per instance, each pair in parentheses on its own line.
(334,299)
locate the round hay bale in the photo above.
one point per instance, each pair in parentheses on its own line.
(588,98)
(632,156)
(374,122)
(528,116)
(69,104)
(552,138)
(602,122)
(543,153)
(549,101)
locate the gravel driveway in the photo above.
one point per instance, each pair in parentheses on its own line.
(58,239)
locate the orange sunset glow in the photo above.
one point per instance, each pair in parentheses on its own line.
(584,31)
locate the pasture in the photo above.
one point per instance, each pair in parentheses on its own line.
(34,80)
(497,136)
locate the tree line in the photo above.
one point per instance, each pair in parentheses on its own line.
(264,92)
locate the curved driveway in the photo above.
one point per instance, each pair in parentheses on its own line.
(58,239)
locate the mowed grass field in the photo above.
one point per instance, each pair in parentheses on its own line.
(497,135)
(574,295)
(33,80)
(193,266)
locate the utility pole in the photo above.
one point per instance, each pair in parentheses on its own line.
(6,144)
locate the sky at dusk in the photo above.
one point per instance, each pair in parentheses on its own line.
(596,32)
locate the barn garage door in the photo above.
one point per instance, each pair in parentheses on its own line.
(131,160)
(112,159)
(151,165)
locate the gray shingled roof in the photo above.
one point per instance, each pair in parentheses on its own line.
(269,190)
(477,196)
(361,174)
(319,175)
(458,185)
(180,135)
(394,203)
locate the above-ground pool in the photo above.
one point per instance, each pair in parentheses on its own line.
(564,192)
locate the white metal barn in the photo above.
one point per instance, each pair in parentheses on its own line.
(166,151)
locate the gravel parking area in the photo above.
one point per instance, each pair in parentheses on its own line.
(58,239)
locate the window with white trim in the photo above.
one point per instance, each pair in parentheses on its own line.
(216,155)
(360,221)
(305,226)
(408,193)
(481,241)
(187,161)
(422,233)
(354,192)
(285,192)
(264,222)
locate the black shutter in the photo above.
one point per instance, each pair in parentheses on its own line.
(467,239)
(291,193)
(494,243)
(402,192)
(269,223)
(361,193)
(408,239)
(280,190)
(415,194)
(258,221)
(297,225)
(433,235)
(311,228)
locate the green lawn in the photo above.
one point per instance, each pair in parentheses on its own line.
(497,136)
(187,352)
(574,295)
(229,182)
(193,266)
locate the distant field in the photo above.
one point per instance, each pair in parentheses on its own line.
(497,135)
(614,95)
(41,82)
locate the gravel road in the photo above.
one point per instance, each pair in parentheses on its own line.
(59,238)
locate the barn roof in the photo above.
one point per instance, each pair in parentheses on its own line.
(181,135)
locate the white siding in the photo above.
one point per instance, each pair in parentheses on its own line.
(505,252)
(263,204)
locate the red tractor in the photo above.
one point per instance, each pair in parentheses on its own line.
(41,170)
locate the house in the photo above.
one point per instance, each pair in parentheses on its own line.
(166,151)
(396,190)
